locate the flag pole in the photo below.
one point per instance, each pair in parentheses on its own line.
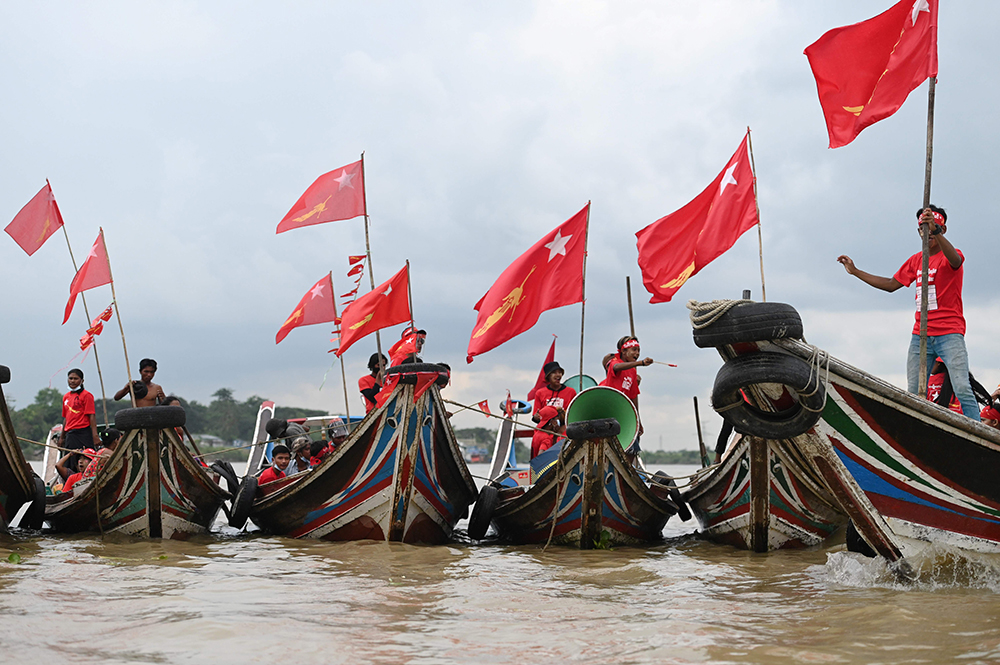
(409,295)
(104,396)
(368,253)
(583,288)
(343,372)
(628,295)
(760,238)
(114,301)
(925,241)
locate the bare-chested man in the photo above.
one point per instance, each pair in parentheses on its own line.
(154,393)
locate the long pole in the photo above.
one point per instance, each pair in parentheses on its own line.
(368,253)
(343,372)
(628,295)
(760,238)
(118,315)
(104,396)
(583,288)
(409,295)
(701,441)
(924,241)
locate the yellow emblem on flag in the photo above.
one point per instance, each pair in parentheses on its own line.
(317,209)
(856,110)
(678,281)
(48,223)
(510,303)
(294,318)
(362,322)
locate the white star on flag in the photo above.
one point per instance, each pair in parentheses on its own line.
(920,6)
(727,178)
(344,180)
(387,291)
(317,291)
(557,246)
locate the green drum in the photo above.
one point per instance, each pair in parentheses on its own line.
(579,383)
(604,402)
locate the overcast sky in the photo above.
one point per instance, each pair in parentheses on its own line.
(187,130)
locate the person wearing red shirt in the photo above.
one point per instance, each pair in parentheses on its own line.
(945,316)
(621,371)
(544,439)
(370,385)
(411,343)
(79,421)
(82,462)
(935,383)
(553,393)
(280,457)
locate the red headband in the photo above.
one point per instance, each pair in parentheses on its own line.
(631,343)
(938,218)
(989,412)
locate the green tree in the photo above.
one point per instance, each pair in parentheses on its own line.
(35,420)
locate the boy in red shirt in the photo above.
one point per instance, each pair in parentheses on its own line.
(280,458)
(543,440)
(370,385)
(553,393)
(622,374)
(79,422)
(945,317)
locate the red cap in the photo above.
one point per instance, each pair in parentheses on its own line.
(545,414)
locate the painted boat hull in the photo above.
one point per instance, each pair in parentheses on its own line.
(593,490)
(399,476)
(17,485)
(763,498)
(150,487)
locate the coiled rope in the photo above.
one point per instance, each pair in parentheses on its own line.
(704,314)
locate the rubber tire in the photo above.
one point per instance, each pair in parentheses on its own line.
(482,512)
(150,417)
(744,371)
(4,374)
(855,543)
(408,370)
(599,428)
(663,478)
(226,470)
(751,322)
(34,516)
(242,502)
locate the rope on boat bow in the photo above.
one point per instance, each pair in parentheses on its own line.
(704,314)
(817,359)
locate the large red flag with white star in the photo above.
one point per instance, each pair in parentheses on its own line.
(95,271)
(865,71)
(335,196)
(548,275)
(677,246)
(387,305)
(37,220)
(316,306)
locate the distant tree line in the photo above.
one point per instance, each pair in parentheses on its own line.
(224,416)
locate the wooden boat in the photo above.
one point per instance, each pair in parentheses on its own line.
(589,494)
(151,486)
(399,476)
(905,470)
(18,484)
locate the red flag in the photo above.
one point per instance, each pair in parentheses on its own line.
(352,259)
(86,341)
(316,306)
(387,388)
(356,270)
(865,71)
(105,315)
(386,306)
(540,383)
(334,196)
(95,271)
(36,221)
(424,381)
(485,407)
(548,275)
(677,246)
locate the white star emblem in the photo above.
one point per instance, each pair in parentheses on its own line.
(344,180)
(920,6)
(728,179)
(93,252)
(387,291)
(558,245)
(317,291)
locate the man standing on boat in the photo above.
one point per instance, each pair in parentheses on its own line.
(153,394)
(553,393)
(945,316)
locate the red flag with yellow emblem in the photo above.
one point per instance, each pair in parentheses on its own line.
(386,306)
(36,221)
(548,275)
(677,246)
(95,271)
(335,196)
(316,306)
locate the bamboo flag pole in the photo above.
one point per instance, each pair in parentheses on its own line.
(628,295)
(760,238)
(925,240)
(583,288)
(114,301)
(368,253)
(86,311)
(343,372)
(409,296)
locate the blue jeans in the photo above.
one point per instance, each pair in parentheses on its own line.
(951,350)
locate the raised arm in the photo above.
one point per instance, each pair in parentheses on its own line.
(884,283)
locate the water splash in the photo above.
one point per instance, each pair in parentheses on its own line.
(935,567)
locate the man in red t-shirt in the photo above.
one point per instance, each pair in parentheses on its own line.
(79,421)
(945,317)
(280,457)
(553,393)
(370,385)
(621,371)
